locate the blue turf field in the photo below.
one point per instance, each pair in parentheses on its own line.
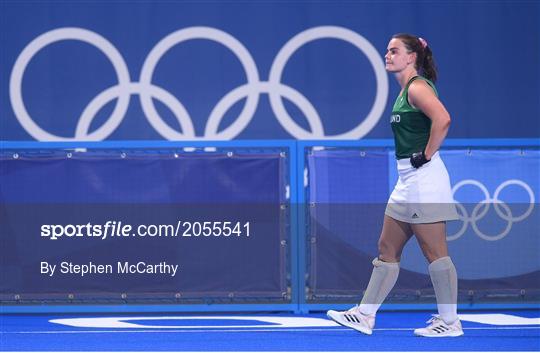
(194,332)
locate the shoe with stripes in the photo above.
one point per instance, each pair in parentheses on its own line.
(354,319)
(438,328)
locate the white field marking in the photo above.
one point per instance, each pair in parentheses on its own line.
(260,330)
(271,322)
(266,322)
(500,319)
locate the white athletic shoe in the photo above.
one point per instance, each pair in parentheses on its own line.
(439,328)
(354,319)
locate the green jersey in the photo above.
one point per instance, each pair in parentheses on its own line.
(411,127)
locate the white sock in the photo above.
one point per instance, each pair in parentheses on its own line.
(444,278)
(383,278)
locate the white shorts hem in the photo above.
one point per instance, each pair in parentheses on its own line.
(419,220)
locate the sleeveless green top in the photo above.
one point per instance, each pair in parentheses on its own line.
(411,127)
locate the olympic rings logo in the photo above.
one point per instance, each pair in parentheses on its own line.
(147,91)
(480,210)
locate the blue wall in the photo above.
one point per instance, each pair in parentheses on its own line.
(239,253)
(320,245)
(487,53)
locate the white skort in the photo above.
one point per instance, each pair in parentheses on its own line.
(422,195)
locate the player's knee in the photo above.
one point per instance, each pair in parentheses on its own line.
(388,252)
(433,254)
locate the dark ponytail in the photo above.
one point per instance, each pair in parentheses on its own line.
(425,63)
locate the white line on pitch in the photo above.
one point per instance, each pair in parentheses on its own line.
(259,330)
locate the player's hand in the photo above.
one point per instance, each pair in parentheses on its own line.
(418,159)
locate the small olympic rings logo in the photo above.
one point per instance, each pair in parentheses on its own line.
(480,210)
(147,91)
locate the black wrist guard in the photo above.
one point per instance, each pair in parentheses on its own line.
(418,159)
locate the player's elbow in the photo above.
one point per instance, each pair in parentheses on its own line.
(445,121)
